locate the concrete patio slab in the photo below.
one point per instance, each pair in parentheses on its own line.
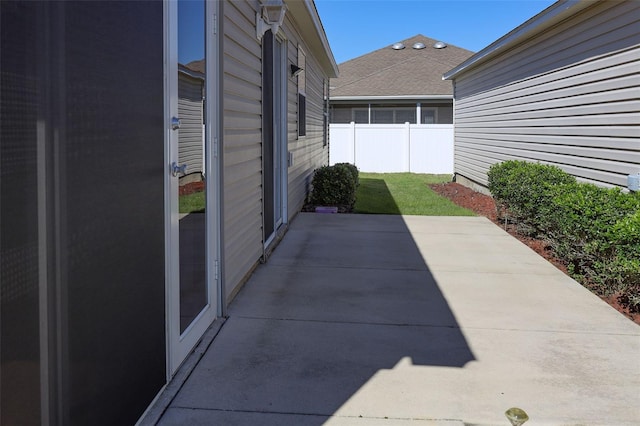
(528,302)
(390,320)
(309,366)
(191,417)
(377,296)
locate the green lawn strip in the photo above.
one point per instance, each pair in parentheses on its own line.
(404,193)
(192,203)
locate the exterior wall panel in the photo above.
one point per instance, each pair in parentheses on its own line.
(308,152)
(242,152)
(190,111)
(567,97)
(243,138)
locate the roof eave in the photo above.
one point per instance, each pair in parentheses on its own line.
(310,26)
(548,17)
(389,98)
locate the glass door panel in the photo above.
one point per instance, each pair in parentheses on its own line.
(192,239)
(191,154)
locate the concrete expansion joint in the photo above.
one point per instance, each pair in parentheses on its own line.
(389,324)
(372,268)
(489,272)
(230,410)
(423,420)
(328,416)
(555,331)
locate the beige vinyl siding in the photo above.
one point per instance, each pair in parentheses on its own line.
(242,137)
(569,96)
(308,151)
(241,144)
(190,112)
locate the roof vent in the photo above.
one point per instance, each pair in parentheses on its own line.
(418,46)
(439,45)
(397,46)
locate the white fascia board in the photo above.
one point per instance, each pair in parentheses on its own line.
(550,16)
(391,98)
(312,31)
(317,23)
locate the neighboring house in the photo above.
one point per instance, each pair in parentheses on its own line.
(105,287)
(191,96)
(390,110)
(563,89)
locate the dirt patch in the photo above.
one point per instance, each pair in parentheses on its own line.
(484,205)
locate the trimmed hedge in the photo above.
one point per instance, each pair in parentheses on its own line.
(595,230)
(523,191)
(335,186)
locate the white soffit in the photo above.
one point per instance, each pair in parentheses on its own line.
(392,98)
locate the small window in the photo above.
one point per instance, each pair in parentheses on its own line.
(428,116)
(340,115)
(393,114)
(360,116)
(381,116)
(302,93)
(405,115)
(436,114)
(302,115)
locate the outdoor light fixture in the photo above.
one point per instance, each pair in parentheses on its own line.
(270,17)
(295,70)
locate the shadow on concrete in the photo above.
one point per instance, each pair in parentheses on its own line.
(341,299)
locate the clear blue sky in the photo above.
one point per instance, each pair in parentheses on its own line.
(190,31)
(357,27)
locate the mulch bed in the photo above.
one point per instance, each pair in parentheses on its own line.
(191,188)
(484,205)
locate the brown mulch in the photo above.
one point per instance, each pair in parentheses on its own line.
(191,188)
(484,205)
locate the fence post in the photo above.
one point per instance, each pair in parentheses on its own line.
(352,141)
(407,140)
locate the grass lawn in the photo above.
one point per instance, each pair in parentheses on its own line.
(404,193)
(191,203)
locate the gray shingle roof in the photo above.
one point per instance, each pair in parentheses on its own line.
(406,72)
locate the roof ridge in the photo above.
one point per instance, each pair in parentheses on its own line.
(403,41)
(378,71)
(386,46)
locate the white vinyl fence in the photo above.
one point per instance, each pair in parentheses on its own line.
(393,148)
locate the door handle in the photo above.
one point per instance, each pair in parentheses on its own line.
(176,169)
(175,123)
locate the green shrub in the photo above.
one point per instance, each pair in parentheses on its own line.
(590,219)
(499,179)
(352,169)
(625,234)
(594,230)
(334,186)
(597,232)
(617,268)
(523,191)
